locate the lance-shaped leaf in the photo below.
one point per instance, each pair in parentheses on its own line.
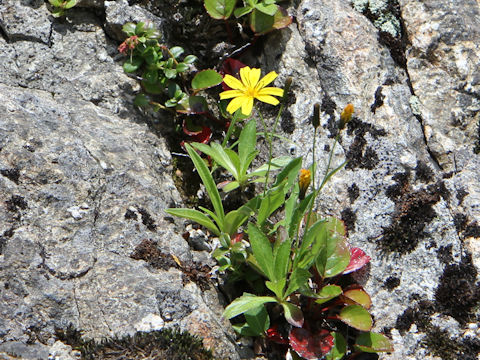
(262,250)
(245,303)
(373,342)
(196,216)
(339,348)
(357,317)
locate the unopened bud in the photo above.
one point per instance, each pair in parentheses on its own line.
(346,115)
(304,182)
(316,115)
(286,88)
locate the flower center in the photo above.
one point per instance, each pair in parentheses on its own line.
(252,92)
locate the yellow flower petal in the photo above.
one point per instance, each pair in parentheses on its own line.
(247,106)
(233,83)
(230,94)
(236,104)
(268,99)
(271,91)
(254,76)
(267,79)
(244,76)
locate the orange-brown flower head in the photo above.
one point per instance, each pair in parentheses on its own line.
(346,115)
(304,181)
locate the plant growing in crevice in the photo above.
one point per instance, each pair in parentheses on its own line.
(263,15)
(60,6)
(295,262)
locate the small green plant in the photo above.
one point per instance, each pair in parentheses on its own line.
(263,15)
(60,6)
(295,262)
(163,71)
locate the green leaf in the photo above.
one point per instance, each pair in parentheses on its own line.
(171,103)
(232,185)
(196,216)
(150,55)
(219,155)
(176,51)
(276,287)
(69,4)
(150,76)
(298,214)
(181,67)
(274,198)
(373,342)
(357,317)
(139,29)
(170,73)
(235,218)
(290,171)
(190,59)
(206,79)
(258,319)
(245,330)
(245,303)
(359,296)
(262,250)
(247,143)
(262,23)
(327,293)
(152,88)
(270,9)
(298,278)
(141,100)
(313,241)
(207,180)
(56,3)
(281,255)
(220,9)
(241,11)
(339,348)
(131,65)
(293,314)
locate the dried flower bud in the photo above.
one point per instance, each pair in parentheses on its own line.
(346,115)
(316,115)
(304,182)
(286,88)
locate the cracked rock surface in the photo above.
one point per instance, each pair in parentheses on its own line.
(84,182)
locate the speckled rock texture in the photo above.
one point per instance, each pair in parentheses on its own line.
(84,181)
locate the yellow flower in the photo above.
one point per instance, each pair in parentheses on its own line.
(346,115)
(304,181)
(247,89)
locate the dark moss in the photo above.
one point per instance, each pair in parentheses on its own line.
(130,215)
(349,218)
(147,219)
(440,188)
(396,45)
(12,174)
(400,187)
(326,148)
(438,343)
(358,154)
(378,100)
(458,292)
(423,172)
(15,203)
(444,254)
(391,283)
(418,314)
(287,123)
(472,230)
(413,211)
(460,221)
(148,250)
(476,148)
(461,193)
(353,192)
(164,344)
(328,107)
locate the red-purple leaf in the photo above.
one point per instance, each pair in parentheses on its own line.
(311,346)
(231,67)
(191,129)
(358,259)
(274,335)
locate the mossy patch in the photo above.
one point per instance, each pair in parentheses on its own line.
(12,174)
(164,344)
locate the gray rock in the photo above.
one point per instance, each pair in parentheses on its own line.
(59,268)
